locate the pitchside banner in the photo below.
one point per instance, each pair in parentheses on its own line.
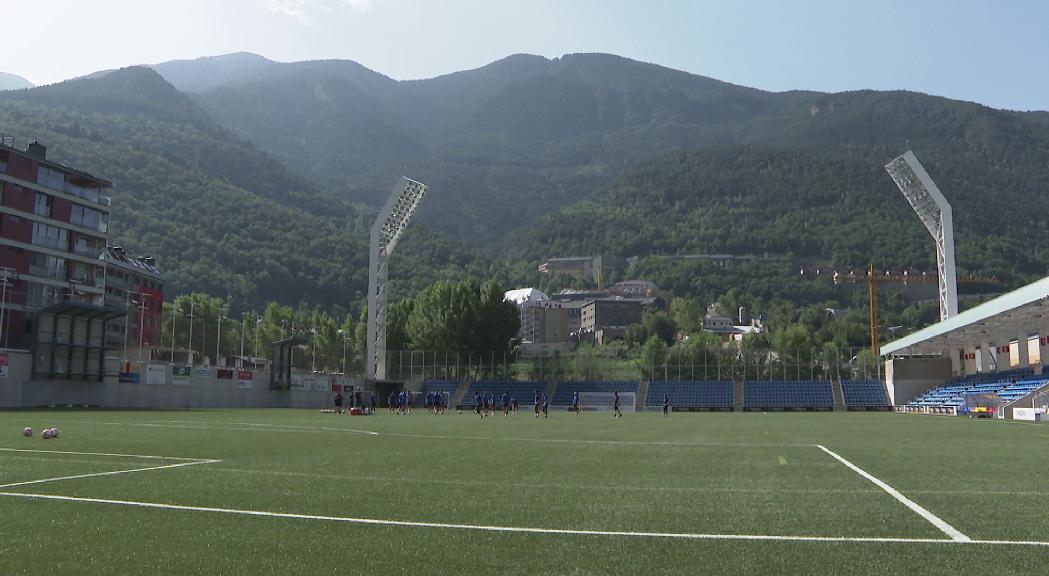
(156,374)
(296,381)
(3,366)
(225,374)
(244,379)
(202,372)
(129,377)
(180,375)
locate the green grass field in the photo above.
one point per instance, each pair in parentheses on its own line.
(680,495)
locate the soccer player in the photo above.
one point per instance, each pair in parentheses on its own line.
(338,402)
(546,406)
(575,402)
(391,402)
(506,405)
(617,413)
(479,404)
(666,405)
(400,402)
(535,403)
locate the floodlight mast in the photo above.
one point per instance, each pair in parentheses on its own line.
(935,213)
(386,232)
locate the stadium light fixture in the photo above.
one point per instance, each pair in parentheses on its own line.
(935,213)
(386,232)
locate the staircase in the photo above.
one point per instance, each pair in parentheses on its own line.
(457,396)
(839,396)
(642,393)
(737,404)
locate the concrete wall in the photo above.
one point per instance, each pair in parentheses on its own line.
(158,387)
(907,378)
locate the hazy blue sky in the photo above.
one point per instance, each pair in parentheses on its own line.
(996,53)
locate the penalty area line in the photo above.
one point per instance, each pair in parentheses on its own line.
(521,529)
(110,473)
(67,452)
(933,519)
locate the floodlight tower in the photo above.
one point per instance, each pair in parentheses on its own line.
(386,231)
(935,212)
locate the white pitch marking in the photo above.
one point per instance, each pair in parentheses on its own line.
(100,454)
(111,473)
(933,519)
(520,529)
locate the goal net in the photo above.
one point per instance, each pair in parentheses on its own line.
(603,401)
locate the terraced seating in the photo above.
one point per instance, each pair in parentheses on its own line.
(1009,385)
(565,390)
(864,393)
(788,394)
(691,393)
(445,387)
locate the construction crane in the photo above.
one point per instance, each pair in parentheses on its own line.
(872,278)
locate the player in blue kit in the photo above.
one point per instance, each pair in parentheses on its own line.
(506,405)
(575,402)
(617,413)
(479,404)
(666,405)
(535,403)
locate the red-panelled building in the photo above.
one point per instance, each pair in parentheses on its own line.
(54,224)
(136,285)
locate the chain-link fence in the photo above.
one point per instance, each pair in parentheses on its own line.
(618,363)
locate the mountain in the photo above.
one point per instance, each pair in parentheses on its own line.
(530,158)
(220,215)
(13,82)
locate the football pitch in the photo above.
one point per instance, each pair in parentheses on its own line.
(298,492)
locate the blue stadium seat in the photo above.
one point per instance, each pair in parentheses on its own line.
(864,393)
(792,394)
(691,394)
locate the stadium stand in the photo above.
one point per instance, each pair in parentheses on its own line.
(788,394)
(520,390)
(864,394)
(1009,385)
(691,394)
(563,395)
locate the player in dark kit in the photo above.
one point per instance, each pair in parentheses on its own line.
(479,404)
(546,406)
(666,405)
(575,401)
(338,402)
(617,413)
(506,404)
(535,403)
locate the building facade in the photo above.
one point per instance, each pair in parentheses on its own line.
(136,285)
(54,224)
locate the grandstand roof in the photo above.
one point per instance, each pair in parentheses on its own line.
(1019,311)
(521,295)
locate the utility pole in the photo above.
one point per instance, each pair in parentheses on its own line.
(141,323)
(191,305)
(6,275)
(258,321)
(218,334)
(127,321)
(174,310)
(243,319)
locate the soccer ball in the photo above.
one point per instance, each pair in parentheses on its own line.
(46,434)
(27,431)
(460,412)
(54,432)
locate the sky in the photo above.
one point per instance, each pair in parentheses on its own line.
(992,52)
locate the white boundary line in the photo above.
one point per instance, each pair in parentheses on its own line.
(520,529)
(933,519)
(101,454)
(111,473)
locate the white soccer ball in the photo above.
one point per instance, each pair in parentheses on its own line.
(27,431)
(46,435)
(54,432)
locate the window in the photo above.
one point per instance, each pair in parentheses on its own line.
(50,178)
(40,295)
(43,205)
(90,247)
(87,274)
(50,236)
(88,218)
(47,266)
